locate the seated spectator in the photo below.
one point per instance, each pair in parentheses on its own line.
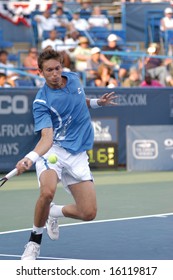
(53,41)
(81,54)
(166,22)
(61,18)
(5,66)
(98,19)
(105,77)
(157,67)
(85,9)
(3,78)
(79,23)
(71,40)
(94,62)
(4,82)
(30,61)
(45,22)
(121,64)
(134,79)
(61,4)
(149,82)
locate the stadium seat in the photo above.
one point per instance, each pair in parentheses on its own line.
(24,83)
(100,34)
(152,26)
(167,41)
(4,44)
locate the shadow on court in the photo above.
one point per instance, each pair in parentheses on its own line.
(140,238)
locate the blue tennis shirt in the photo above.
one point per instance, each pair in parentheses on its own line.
(66,111)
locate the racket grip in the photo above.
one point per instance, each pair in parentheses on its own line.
(12,173)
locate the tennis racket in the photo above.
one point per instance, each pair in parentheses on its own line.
(8,176)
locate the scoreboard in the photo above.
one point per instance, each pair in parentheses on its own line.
(105,150)
(103,155)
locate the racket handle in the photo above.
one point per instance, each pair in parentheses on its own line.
(11,173)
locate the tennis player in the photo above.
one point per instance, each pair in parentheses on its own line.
(61,115)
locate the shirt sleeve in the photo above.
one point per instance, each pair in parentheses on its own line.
(42,116)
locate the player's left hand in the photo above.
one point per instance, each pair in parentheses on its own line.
(107,99)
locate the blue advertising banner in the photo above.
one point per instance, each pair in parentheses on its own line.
(135,106)
(150,148)
(16,126)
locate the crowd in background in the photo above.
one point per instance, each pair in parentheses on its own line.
(98,66)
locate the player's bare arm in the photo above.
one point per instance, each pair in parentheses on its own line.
(40,149)
(105,100)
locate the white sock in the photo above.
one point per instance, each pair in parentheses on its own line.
(56,211)
(37,230)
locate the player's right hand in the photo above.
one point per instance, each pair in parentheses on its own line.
(23,165)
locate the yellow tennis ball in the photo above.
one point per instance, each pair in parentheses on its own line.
(52,158)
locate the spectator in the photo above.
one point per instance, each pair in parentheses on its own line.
(71,39)
(94,62)
(4,82)
(105,77)
(85,9)
(79,23)
(97,19)
(61,18)
(53,41)
(81,54)
(2,79)
(30,61)
(156,66)
(61,4)
(122,65)
(5,66)
(149,82)
(134,79)
(45,22)
(166,22)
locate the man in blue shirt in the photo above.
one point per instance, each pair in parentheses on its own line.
(61,115)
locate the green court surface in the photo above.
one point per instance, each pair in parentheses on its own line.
(120,194)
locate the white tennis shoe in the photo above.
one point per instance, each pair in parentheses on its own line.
(52,228)
(32,251)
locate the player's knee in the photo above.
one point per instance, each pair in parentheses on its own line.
(47,196)
(89,215)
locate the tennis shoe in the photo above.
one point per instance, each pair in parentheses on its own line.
(32,251)
(52,228)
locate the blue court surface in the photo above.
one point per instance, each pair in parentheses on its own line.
(135,238)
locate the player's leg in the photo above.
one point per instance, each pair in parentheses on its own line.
(48,182)
(77,179)
(85,207)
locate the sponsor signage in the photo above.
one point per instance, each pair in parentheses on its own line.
(149,148)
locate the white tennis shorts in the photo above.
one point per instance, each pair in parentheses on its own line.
(71,169)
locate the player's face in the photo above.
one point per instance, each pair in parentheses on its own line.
(51,71)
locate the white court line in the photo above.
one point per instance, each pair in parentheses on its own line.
(99,221)
(76,224)
(44,258)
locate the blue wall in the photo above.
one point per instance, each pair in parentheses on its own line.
(134,18)
(136,106)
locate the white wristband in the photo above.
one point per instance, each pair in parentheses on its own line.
(94,104)
(32,156)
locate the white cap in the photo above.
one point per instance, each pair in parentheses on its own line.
(151,50)
(112,37)
(168,11)
(95,50)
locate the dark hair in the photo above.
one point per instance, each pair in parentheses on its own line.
(3,52)
(3,75)
(148,78)
(47,55)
